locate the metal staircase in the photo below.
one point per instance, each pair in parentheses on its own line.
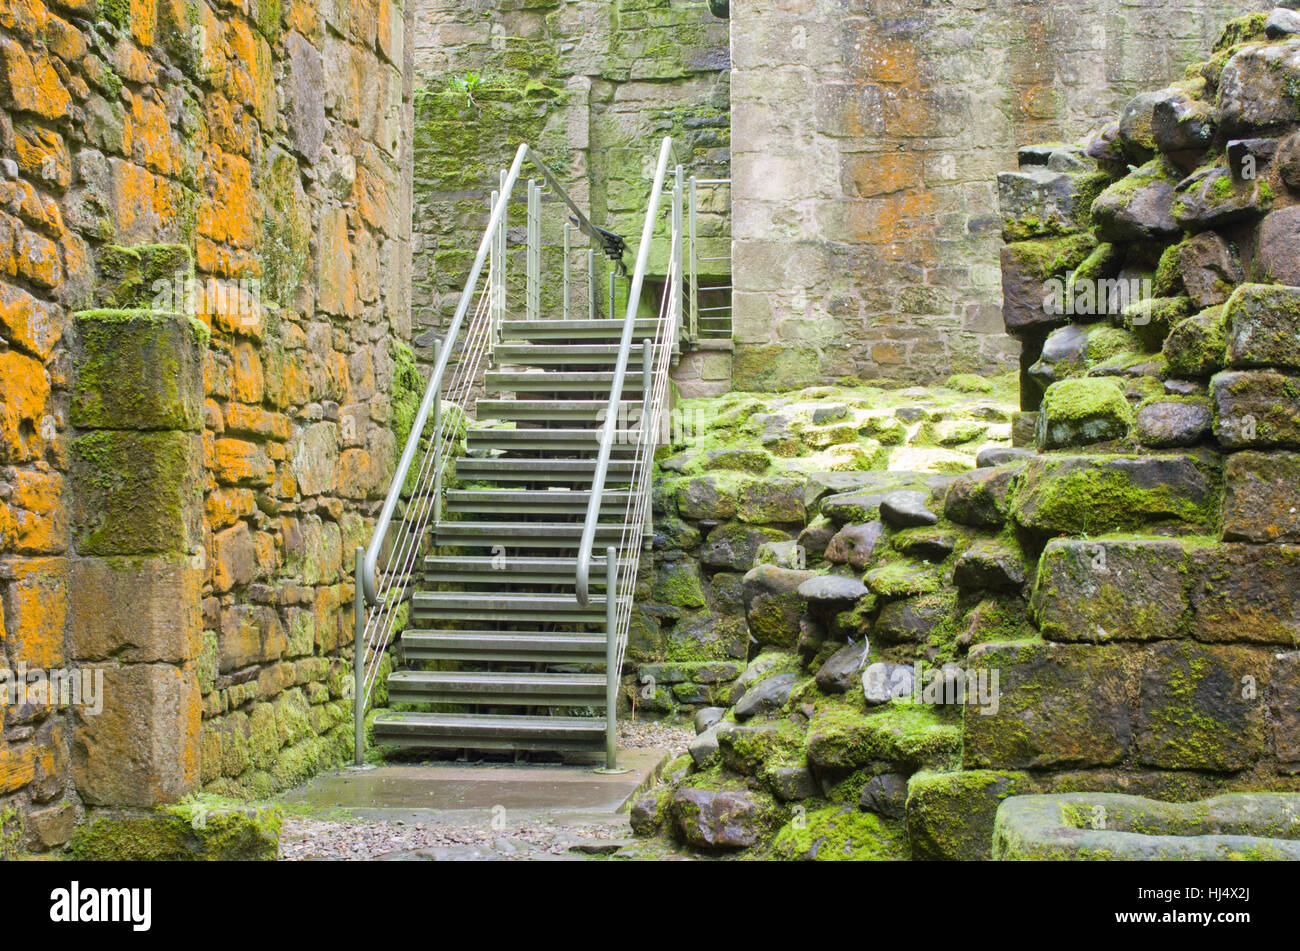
(527,469)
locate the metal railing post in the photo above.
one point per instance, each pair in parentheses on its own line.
(675,268)
(609,429)
(611,659)
(437,442)
(568,290)
(591,283)
(359,663)
(647,368)
(534,250)
(693,332)
(612,294)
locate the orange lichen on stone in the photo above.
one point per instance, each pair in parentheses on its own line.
(150,136)
(29,324)
(225,506)
(40,519)
(35,611)
(882,173)
(42,155)
(226,212)
(23,398)
(29,82)
(143,203)
(886,60)
(236,462)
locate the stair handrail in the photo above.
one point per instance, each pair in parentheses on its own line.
(481,339)
(582,576)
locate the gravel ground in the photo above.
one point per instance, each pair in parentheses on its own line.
(317,839)
(654,734)
(473,837)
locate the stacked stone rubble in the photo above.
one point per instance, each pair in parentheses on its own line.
(1131,584)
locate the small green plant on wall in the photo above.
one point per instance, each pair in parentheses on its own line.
(468,84)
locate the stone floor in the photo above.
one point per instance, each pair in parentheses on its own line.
(468,812)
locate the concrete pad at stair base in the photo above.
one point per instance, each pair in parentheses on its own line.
(465,790)
(1110,826)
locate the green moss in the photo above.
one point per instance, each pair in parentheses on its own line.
(1243,29)
(12,834)
(116,12)
(286,232)
(201,827)
(841,834)
(908,736)
(1047,256)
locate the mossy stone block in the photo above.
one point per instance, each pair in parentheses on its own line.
(1077,495)
(950,816)
(841,834)
(1078,412)
(1058,705)
(136,277)
(138,369)
(201,829)
(1263,326)
(137,493)
(1197,710)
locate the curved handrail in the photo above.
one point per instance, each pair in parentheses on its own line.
(583,575)
(370,561)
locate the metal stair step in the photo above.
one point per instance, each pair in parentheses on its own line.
(592,412)
(570,330)
(594,382)
(559,535)
(563,355)
(511,571)
(498,689)
(489,731)
(550,440)
(515,607)
(552,471)
(555,647)
(538,503)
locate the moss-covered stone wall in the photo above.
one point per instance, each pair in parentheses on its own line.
(204,273)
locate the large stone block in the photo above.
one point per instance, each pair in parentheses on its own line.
(950,815)
(138,370)
(137,493)
(1246,593)
(1059,705)
(1202,707)
(1257,89)
(203,830)
(1076,826)
(138,610)
(772,604)
(1264,326)
(137,279)
(142,749)
(33,611)
(1109,590)
(1261,497)
(1256,409)
(1075,495)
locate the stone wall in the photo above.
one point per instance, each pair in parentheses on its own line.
(866,142)
(204,283)
(594,86)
